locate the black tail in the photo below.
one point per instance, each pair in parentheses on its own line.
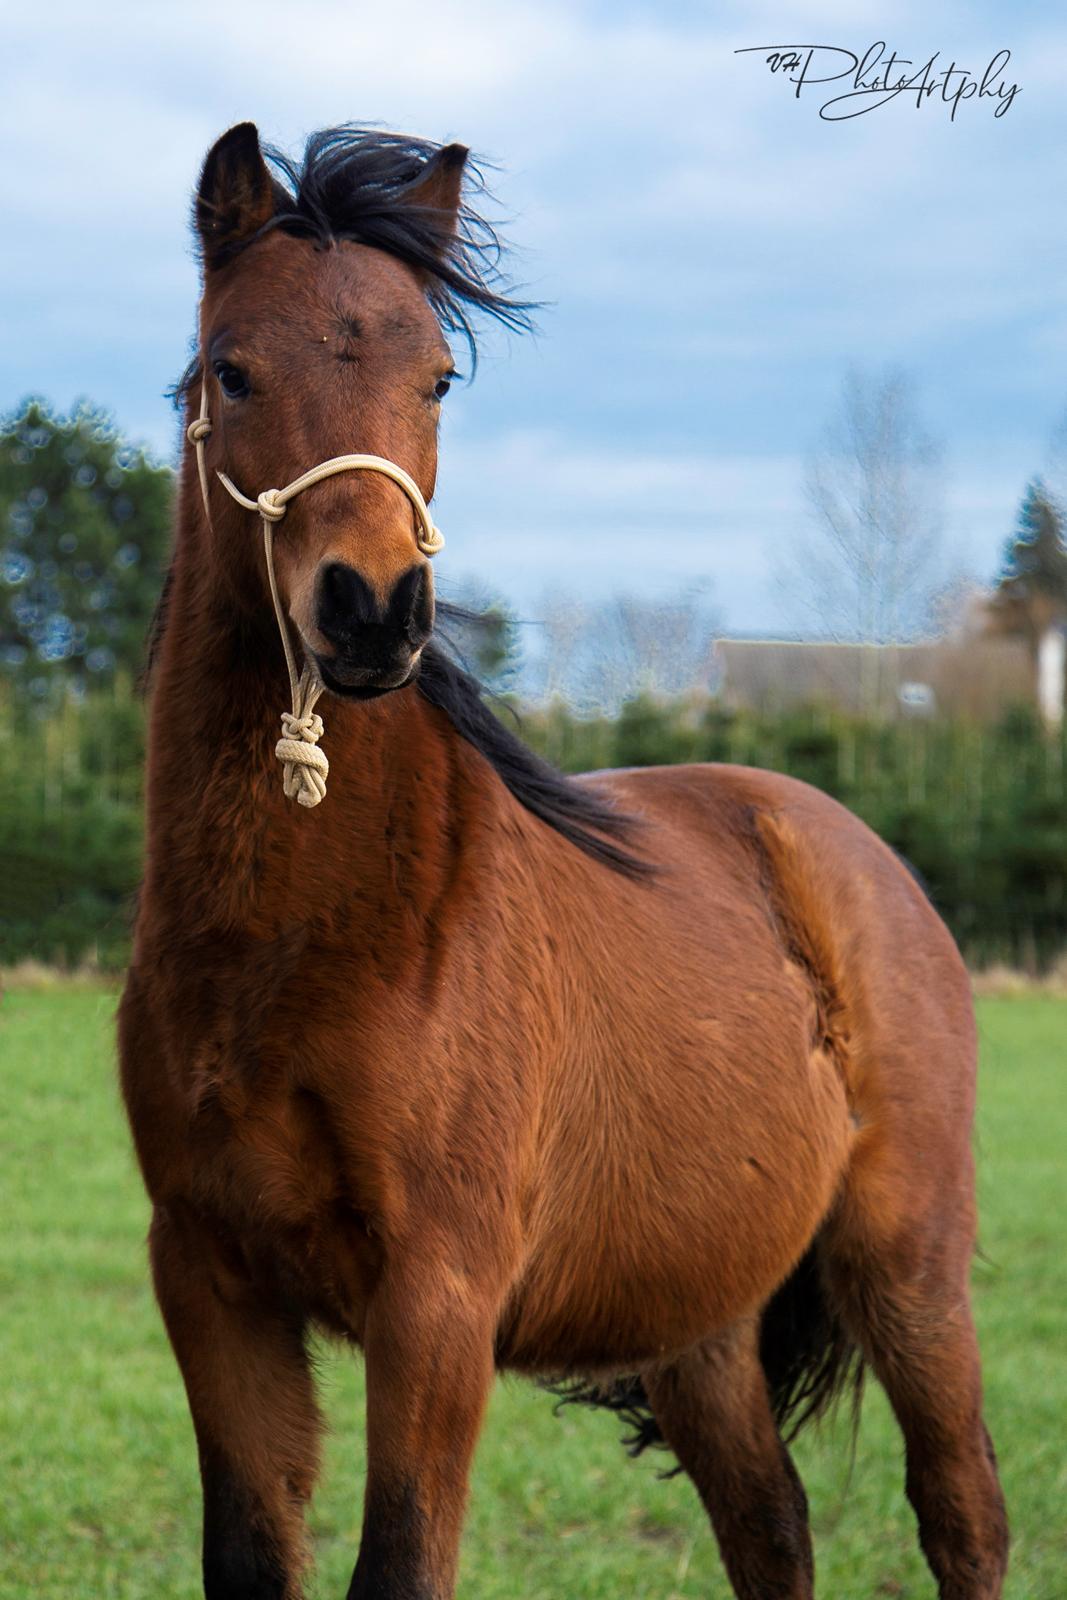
(807,1355)
(808,1358)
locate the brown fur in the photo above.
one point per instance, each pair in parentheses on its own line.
(414,1069)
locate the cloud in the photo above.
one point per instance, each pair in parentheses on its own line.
(714,254)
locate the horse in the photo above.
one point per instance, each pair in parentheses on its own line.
(654,1084)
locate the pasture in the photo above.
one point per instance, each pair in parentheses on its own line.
(96,1451)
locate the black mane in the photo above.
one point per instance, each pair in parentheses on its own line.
(577,812)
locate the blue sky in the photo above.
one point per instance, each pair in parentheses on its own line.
(715,255)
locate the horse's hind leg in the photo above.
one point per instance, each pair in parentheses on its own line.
(713,1409)
(896,1256)
(250,1394)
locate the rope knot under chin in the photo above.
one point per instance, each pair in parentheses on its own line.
(306,766)
(269,506)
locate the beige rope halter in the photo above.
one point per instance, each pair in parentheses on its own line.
(305,765)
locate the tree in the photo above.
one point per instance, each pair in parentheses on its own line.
(872,559)
(84,525)
(483,636)
(1031,592)
(599,655)
(1030,599)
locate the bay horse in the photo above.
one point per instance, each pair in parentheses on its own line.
(658,1082)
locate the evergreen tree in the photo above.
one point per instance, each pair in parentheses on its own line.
(1033,583)
(84,523)
(484,637)
(496,647)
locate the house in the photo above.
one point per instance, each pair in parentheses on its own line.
(974,676)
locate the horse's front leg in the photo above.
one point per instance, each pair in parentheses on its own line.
(250,1393)
(428,1345)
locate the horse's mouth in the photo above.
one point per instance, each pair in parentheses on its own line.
(369,688)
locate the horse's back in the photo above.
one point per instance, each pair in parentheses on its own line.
(841,900)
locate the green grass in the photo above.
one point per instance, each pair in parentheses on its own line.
(96,1454)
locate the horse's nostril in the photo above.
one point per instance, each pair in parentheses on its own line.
(346,601)
(348,609)
(411,605)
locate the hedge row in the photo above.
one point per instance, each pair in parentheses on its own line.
(981,812)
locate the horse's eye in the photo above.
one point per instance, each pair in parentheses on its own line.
(232,380)
(441,387)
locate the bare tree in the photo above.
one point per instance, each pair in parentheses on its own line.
(564,626)
(598,655)
(873,556)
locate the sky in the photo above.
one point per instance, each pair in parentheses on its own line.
(712,253)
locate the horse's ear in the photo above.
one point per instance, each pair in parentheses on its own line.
(236,196)
(439,187)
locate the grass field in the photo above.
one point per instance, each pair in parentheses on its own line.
(96,1455)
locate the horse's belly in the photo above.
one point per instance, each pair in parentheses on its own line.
(675,1225)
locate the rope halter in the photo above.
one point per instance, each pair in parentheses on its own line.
(305,767)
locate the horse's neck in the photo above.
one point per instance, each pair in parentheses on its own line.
(229,853)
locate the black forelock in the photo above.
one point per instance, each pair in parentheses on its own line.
(355,183)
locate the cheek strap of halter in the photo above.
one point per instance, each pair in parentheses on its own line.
(305,767)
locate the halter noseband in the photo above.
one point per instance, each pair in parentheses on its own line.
(305,765)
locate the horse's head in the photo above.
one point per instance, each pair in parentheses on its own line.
(322,334)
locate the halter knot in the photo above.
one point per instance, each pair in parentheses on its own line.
(200,429)
(309,727)
(306,766)
(269,506)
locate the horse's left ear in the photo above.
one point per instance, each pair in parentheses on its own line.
(439,187)
(236,195)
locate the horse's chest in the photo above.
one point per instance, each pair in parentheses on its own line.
(263,1159)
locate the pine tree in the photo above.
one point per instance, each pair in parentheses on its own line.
(1033,583)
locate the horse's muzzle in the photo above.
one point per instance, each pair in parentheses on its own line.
(364,683)
(375,647)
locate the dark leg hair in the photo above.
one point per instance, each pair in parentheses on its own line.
(252,1402)
(428,1344)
